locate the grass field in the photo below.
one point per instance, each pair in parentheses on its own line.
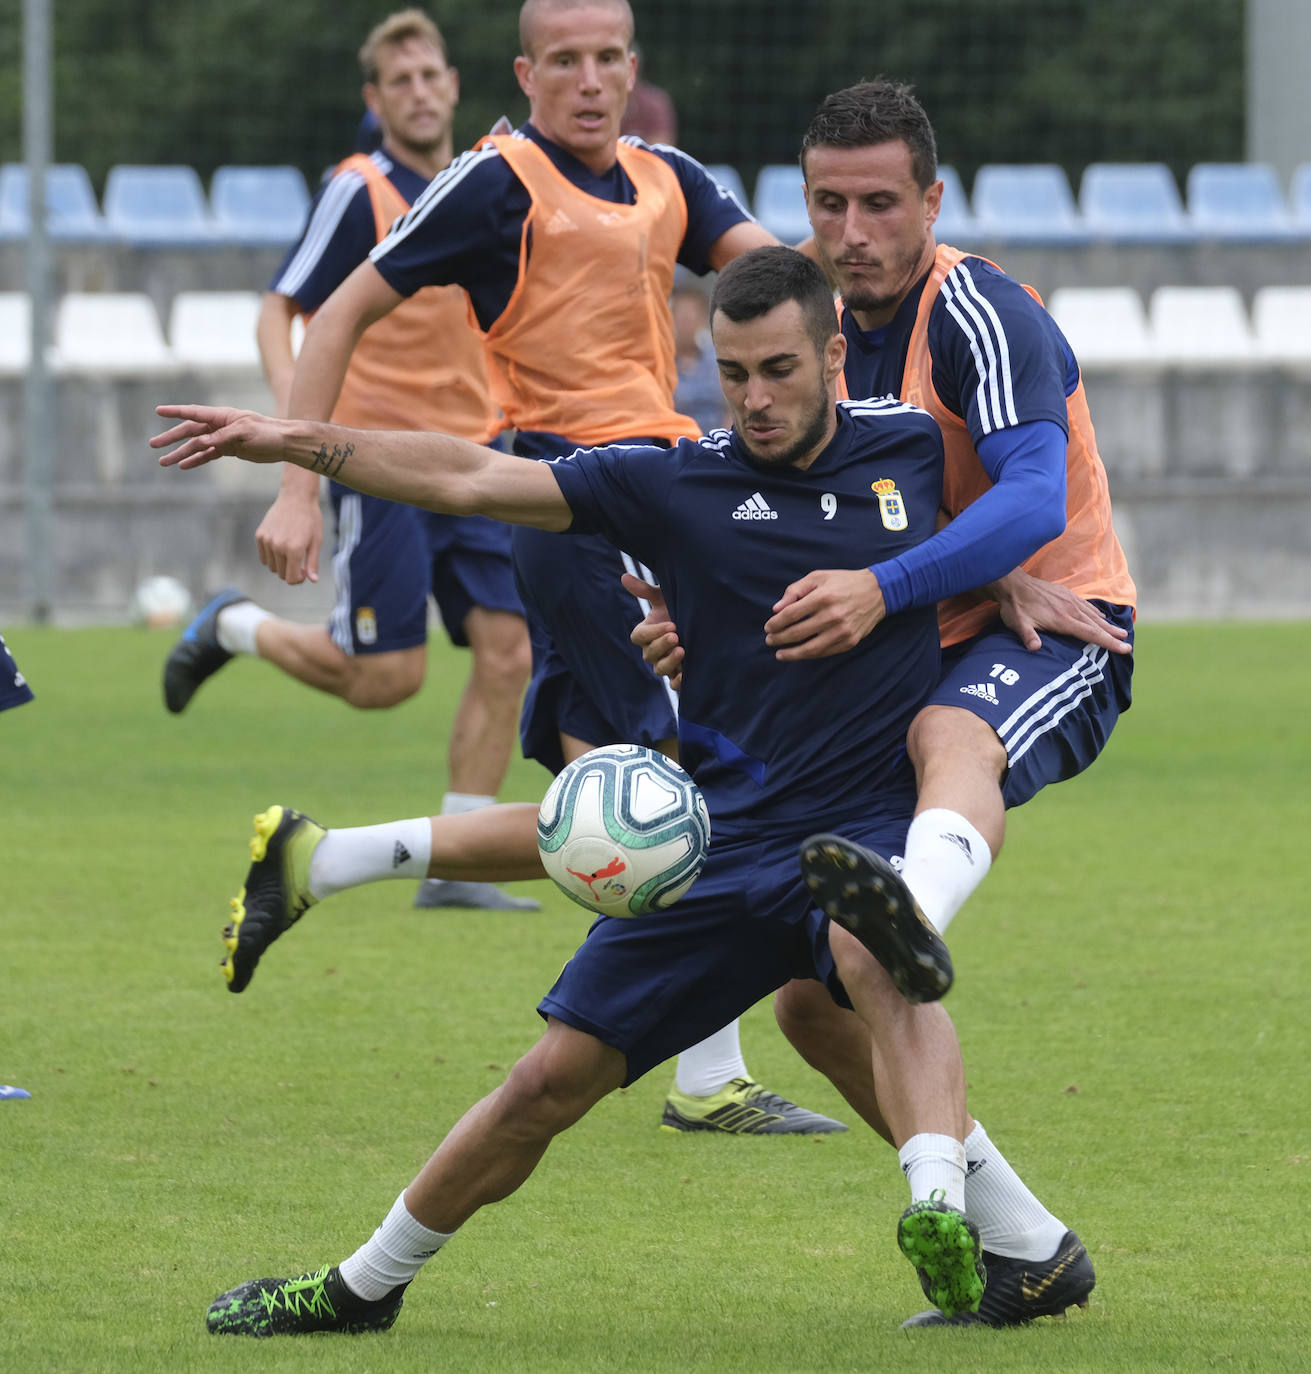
(1133,996)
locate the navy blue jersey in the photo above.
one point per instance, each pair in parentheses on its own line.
(339,234)
(467,227)
(1001,363)
(770,742)
(999,359)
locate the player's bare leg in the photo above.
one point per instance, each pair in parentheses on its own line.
(1020,1237)
(486,721)
(920,1084)
(960,817)
(365,681)
(482,741)
(485,1157)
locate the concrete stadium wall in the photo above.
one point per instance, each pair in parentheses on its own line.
(1210,471)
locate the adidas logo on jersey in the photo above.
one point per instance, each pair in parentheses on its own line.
(560,223)
(755,507)
(984,690)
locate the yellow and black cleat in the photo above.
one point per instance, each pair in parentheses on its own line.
(276,892)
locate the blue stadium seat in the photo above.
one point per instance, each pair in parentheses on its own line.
(727,176)
(259,205)
(956,222)
(158,206)
(1238,200)
(1301,198)
(779,203)
(1028,203)
(1134,202)
(71,209)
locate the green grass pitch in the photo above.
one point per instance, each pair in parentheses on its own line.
(1133,993)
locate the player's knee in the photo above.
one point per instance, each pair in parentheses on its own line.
(552,1086)
(503,660)
(939,731)
(384,681)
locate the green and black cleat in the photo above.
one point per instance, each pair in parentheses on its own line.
(276,894)
(943,1245)
(865,895)
(1019,1290)
(298,1307)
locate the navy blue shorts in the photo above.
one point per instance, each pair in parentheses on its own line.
(651,987)
(14,690)
(389,558)
(1054,708)
(588,678)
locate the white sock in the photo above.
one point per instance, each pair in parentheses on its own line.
(236,625)
(1010,1219)
(704,1068)
(934,1163)
(457,803)
(946,859)
(367,853)
(393,1255)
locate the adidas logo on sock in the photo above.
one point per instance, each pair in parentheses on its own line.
(400,855)
(755,507)
(962,844)
(984,690)
(972,1166)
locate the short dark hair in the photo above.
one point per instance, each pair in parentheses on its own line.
(873,112)
(754,283)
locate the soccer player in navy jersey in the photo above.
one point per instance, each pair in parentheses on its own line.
(389,559)
(565,238)
(1030,521)
(14,691)
(821,483)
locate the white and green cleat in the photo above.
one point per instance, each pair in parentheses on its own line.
(276,894)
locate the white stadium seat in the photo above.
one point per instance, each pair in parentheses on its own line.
(1104,324)
(111,333)
(1281,321)
(15,332)
(215,328)
(1203,325)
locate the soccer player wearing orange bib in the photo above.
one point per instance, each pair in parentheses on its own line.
(421,368)
(565,239)
(1029,515)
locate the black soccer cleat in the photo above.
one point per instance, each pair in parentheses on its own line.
(276,893)
(1019,1290)
(197,655)
(943,1245)
(865,895)
(296,1307)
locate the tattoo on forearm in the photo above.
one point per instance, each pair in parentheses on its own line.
(331,463)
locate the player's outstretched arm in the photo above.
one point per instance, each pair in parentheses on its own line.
(436,471)
(1029,604)
(826,612)
(656,634)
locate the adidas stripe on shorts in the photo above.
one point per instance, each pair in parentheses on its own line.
(1053,708)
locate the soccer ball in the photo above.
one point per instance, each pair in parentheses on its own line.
(623,830)
(161,601)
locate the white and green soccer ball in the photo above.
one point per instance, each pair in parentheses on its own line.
(623,831)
